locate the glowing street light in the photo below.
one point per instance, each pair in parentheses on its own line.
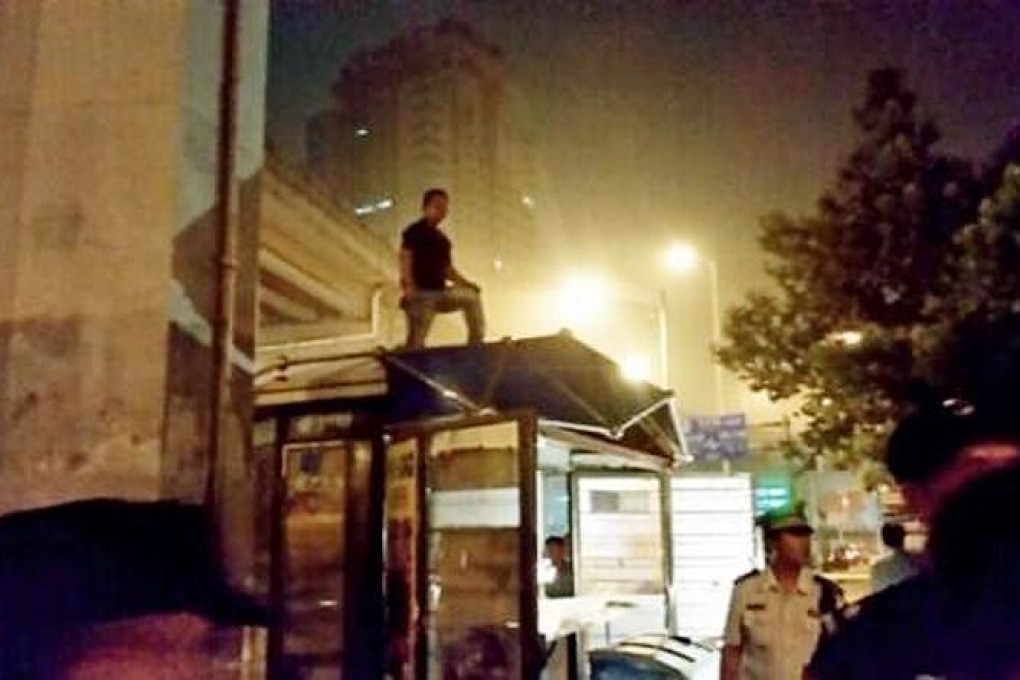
(581,297)
(636,368)
(682,257)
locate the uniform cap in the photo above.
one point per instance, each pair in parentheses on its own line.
(786,518)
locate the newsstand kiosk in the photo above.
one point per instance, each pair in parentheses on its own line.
(407,498)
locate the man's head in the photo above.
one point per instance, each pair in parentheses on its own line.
(938,450)
(435,205)
(787,536)
(893,535)
(948,443)
(556,550)
(108,588)
(975,538)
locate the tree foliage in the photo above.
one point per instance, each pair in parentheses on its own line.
(871,285)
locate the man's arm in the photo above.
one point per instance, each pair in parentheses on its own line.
(406,275)
(456,277)
(729,668)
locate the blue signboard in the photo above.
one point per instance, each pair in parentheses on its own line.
(717,438)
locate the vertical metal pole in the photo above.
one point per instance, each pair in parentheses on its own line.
(277,555)
(527,467)
(226,247)
(663,339)
(423,618)
(574,480)
(668,558)
(713,273)
(363,622)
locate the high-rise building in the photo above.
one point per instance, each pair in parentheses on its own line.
(433,108)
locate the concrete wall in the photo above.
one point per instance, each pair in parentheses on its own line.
(107,245)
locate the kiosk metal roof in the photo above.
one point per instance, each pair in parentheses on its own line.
(570,386)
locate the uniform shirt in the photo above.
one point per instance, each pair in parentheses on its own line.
(776,632)
(430,255)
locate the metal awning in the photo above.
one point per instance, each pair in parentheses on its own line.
(570,386)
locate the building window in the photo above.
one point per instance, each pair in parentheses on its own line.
(374,207)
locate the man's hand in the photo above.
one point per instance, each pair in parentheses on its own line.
(458,279)
(729,668)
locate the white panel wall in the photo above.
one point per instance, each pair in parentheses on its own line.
(713,544)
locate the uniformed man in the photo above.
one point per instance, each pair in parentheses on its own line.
(776,615)
(935,454)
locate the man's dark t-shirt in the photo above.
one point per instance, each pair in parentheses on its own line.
(915,629)
(430,255)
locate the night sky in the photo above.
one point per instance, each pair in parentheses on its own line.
(690,119)
(658,120)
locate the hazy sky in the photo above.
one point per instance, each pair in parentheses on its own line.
(684,118)
(659,120)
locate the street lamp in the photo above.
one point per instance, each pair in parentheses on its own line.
(636,368)
(581,297)
(683,258)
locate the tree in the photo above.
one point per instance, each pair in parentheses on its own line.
(844,330)
(973,344)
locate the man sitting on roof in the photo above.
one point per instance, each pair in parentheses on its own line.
(429,281)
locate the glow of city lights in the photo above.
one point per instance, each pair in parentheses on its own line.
(636,368)
(682,257)
(581,298)
(370,208)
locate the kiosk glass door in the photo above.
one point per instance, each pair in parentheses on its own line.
(476,553)
(314,519)
(325,586)
(621,550)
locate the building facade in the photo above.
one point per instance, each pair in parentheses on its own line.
(327,283)
(434,107)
